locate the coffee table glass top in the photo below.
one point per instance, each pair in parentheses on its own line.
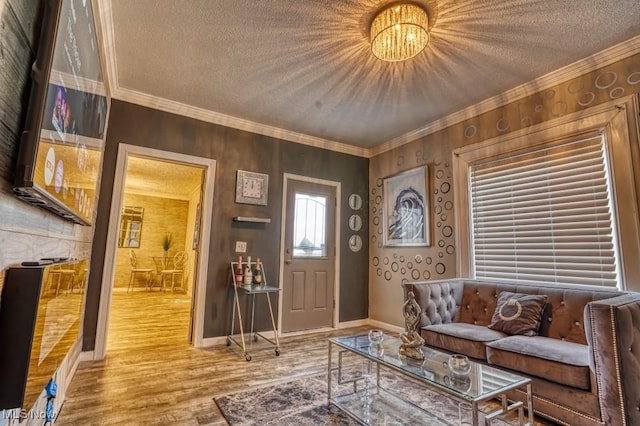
(481,381)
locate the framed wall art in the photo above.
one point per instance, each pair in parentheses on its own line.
(252,188)
(406,208)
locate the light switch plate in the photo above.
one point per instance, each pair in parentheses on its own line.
(241,246)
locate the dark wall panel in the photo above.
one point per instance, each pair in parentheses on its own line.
(233,150)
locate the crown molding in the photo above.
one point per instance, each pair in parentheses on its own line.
(234,122)
(591,63)
(105,17)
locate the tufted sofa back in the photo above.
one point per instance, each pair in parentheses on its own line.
(474,301)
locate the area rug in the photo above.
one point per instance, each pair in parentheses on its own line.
(304,402)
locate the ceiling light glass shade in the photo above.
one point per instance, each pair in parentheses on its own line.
(399,32)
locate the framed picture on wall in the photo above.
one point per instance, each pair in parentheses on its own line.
(406,208)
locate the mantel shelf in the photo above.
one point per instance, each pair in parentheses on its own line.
(252,219)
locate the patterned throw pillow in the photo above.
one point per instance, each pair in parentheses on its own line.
(518,313)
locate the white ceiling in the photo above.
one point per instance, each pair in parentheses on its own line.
(304,69)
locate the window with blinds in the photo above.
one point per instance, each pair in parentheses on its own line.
(545,216)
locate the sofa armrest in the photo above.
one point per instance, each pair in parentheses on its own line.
(439,300)
(612,329)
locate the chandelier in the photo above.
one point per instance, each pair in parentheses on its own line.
(399,32)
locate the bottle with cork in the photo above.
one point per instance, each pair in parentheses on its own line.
(257,273)
(248,273)
(239,273)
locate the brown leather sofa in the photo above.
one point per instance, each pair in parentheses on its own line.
(584,363)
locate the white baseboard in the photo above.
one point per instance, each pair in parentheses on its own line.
(86,356)
(220,340)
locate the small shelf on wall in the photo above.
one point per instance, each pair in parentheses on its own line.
(251,219)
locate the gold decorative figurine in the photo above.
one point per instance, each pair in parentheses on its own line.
(411,339)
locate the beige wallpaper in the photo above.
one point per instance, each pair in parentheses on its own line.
(161,215)
(389,266)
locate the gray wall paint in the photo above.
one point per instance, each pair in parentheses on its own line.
(233,150)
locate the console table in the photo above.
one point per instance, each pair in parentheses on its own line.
(369,403)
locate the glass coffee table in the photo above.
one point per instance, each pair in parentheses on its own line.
(363,398)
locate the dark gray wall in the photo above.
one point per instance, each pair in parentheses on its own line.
(233,150)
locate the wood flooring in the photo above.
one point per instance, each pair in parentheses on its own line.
(152,375)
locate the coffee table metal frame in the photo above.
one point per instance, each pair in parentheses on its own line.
(359,344)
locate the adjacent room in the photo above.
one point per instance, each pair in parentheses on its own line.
(315,212)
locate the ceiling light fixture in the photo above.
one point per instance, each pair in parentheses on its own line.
(399,32)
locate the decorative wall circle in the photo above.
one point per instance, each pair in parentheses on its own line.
(450,249)
(502,125)
(445,187)
(415,274)
(438,224)
(606,79)
(440,243)
(439,199)
(559,108)
(355,243)
(435,191)
(379,182)
(616,92)
(443,217)
(447,231)
(374,209)
(440,174)
(374,238)
(440,268)
(440,254)
(387,275)
(470,131)
(428,261)
(575,86)
(549,94)
(438,209)
(395,266)
(402,259)
(355,201)
(448,205)
(375,261)
(586,98)
(403,270)
(355,222)
(379,245)
(634,78)
(418,258)
(426,275)
(538,108)
(385,260)
(376,220)
(379,231)
(409,265)
(525,121)
(379,272)
(378,199)
(395,255)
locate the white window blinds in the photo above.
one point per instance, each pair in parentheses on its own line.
(545,216)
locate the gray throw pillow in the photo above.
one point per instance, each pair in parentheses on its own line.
(518,313)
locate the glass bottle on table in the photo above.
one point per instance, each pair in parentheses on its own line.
(239,273)
(257,273)
(248,273)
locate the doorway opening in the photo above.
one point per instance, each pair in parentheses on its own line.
(156,256)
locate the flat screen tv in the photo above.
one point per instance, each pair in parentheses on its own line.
(60,155)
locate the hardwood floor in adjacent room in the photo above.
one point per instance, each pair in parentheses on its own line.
(152,375)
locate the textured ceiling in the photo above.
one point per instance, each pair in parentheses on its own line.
(305,66)
(161,178)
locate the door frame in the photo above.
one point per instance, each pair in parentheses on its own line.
(108,270)
(336,270)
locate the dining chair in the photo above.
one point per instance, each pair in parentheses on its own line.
(59,276)
(135,270)
(178,271)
